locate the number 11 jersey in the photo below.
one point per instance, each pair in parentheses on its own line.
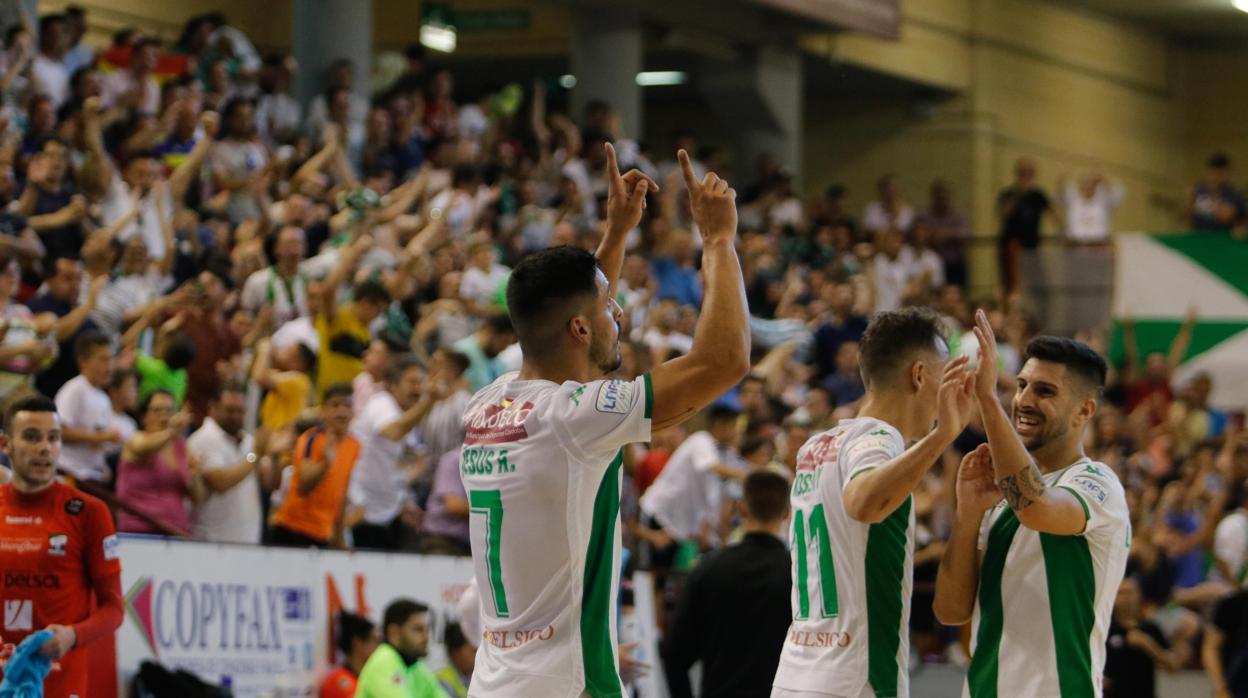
(541,464)
(851,580)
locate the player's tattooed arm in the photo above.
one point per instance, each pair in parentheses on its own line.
(1022,488)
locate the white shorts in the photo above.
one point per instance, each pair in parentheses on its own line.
(777,692)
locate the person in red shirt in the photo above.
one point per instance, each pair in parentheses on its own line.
(357,638)
(58,550)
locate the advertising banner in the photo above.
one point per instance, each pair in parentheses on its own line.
(259,620)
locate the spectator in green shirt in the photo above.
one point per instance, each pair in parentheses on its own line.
(395,670)
(172,352)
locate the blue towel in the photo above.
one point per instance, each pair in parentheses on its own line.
(26,669)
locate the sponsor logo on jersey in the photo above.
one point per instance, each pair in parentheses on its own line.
(1093,469)
(511,639)
(74,506)
(20,545)
(23,520)
(111,551)
(31,580)
(808,638)
(575,397)
(497,424)
(817,449)
(615,397)
(19,614)
(1092,487)
(57,543)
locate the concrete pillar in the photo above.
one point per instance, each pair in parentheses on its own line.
(760,101)
(326,30)
(607,54)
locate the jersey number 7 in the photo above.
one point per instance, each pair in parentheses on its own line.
(814,530)
(489,503)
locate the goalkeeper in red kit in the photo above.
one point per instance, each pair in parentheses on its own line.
(58,553)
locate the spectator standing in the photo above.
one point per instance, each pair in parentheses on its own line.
(845,385)
(444,530)
(343,329)
(284,374)
(51,203)
(442,431)
(62,291)
(156,474)
(950,231)
(895,268)
(232,472)
(1214,204)
(456,676)
(79,55)
(483,278)
(385,428)
(238,162)
(356,641)
(281,286)
(674,272)
(1230,545)
(1020,206)
(890,211)
(372,378)
(483,348)
(74,547)
(86,413)
(278,114)
(135,85)
(1135,647)
(312,513)
(216,345)
(752,579)
(1090,206)
(1225,651)
(683,502)
(51,76)
(395,669)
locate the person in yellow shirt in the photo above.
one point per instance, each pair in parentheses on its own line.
(343,330)
(285,374)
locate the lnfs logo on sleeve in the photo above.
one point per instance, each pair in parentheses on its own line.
(615,396)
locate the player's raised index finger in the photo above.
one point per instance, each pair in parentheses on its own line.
(686,168)
(613,168)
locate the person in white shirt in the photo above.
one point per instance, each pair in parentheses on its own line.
(853,527)
(1090,206)
(1230,544)
(231,471)
(79,55)
(278,114)
(123,392)
(48,70)
(87,428)
(895,268)
(1037,573)
(890,211)
(542,462)
(135,84)
(281,286)
(483,277)
(683,503)
(385,428)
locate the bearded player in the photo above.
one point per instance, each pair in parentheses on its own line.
(541,461)
(57,551)
(1041,532)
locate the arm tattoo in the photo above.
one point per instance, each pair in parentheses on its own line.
(1022,488)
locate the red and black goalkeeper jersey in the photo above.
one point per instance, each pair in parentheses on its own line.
(57,547)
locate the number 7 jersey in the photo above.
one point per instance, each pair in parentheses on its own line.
(851,580)
(541,464)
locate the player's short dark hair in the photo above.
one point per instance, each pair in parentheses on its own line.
(1078,358)
(351,628)
(453,637)
(33,403)
(766,495)
(720,414)
(400,611)
(88,342)
(458,360)
(338,390)
(893,340)
(500,324)
(371,291)
(544,291)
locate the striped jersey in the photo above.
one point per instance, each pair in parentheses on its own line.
(541,464)
(851,580)
(1044,605)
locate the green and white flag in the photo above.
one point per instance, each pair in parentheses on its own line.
(1159,276)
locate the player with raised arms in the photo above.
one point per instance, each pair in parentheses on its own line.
(541,459)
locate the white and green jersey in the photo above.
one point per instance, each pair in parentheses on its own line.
(1044,604)
(541,465)
(851,580)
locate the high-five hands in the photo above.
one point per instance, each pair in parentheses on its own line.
(712,202)
(976,486)
(956,397)
(986,373)
(626,194)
